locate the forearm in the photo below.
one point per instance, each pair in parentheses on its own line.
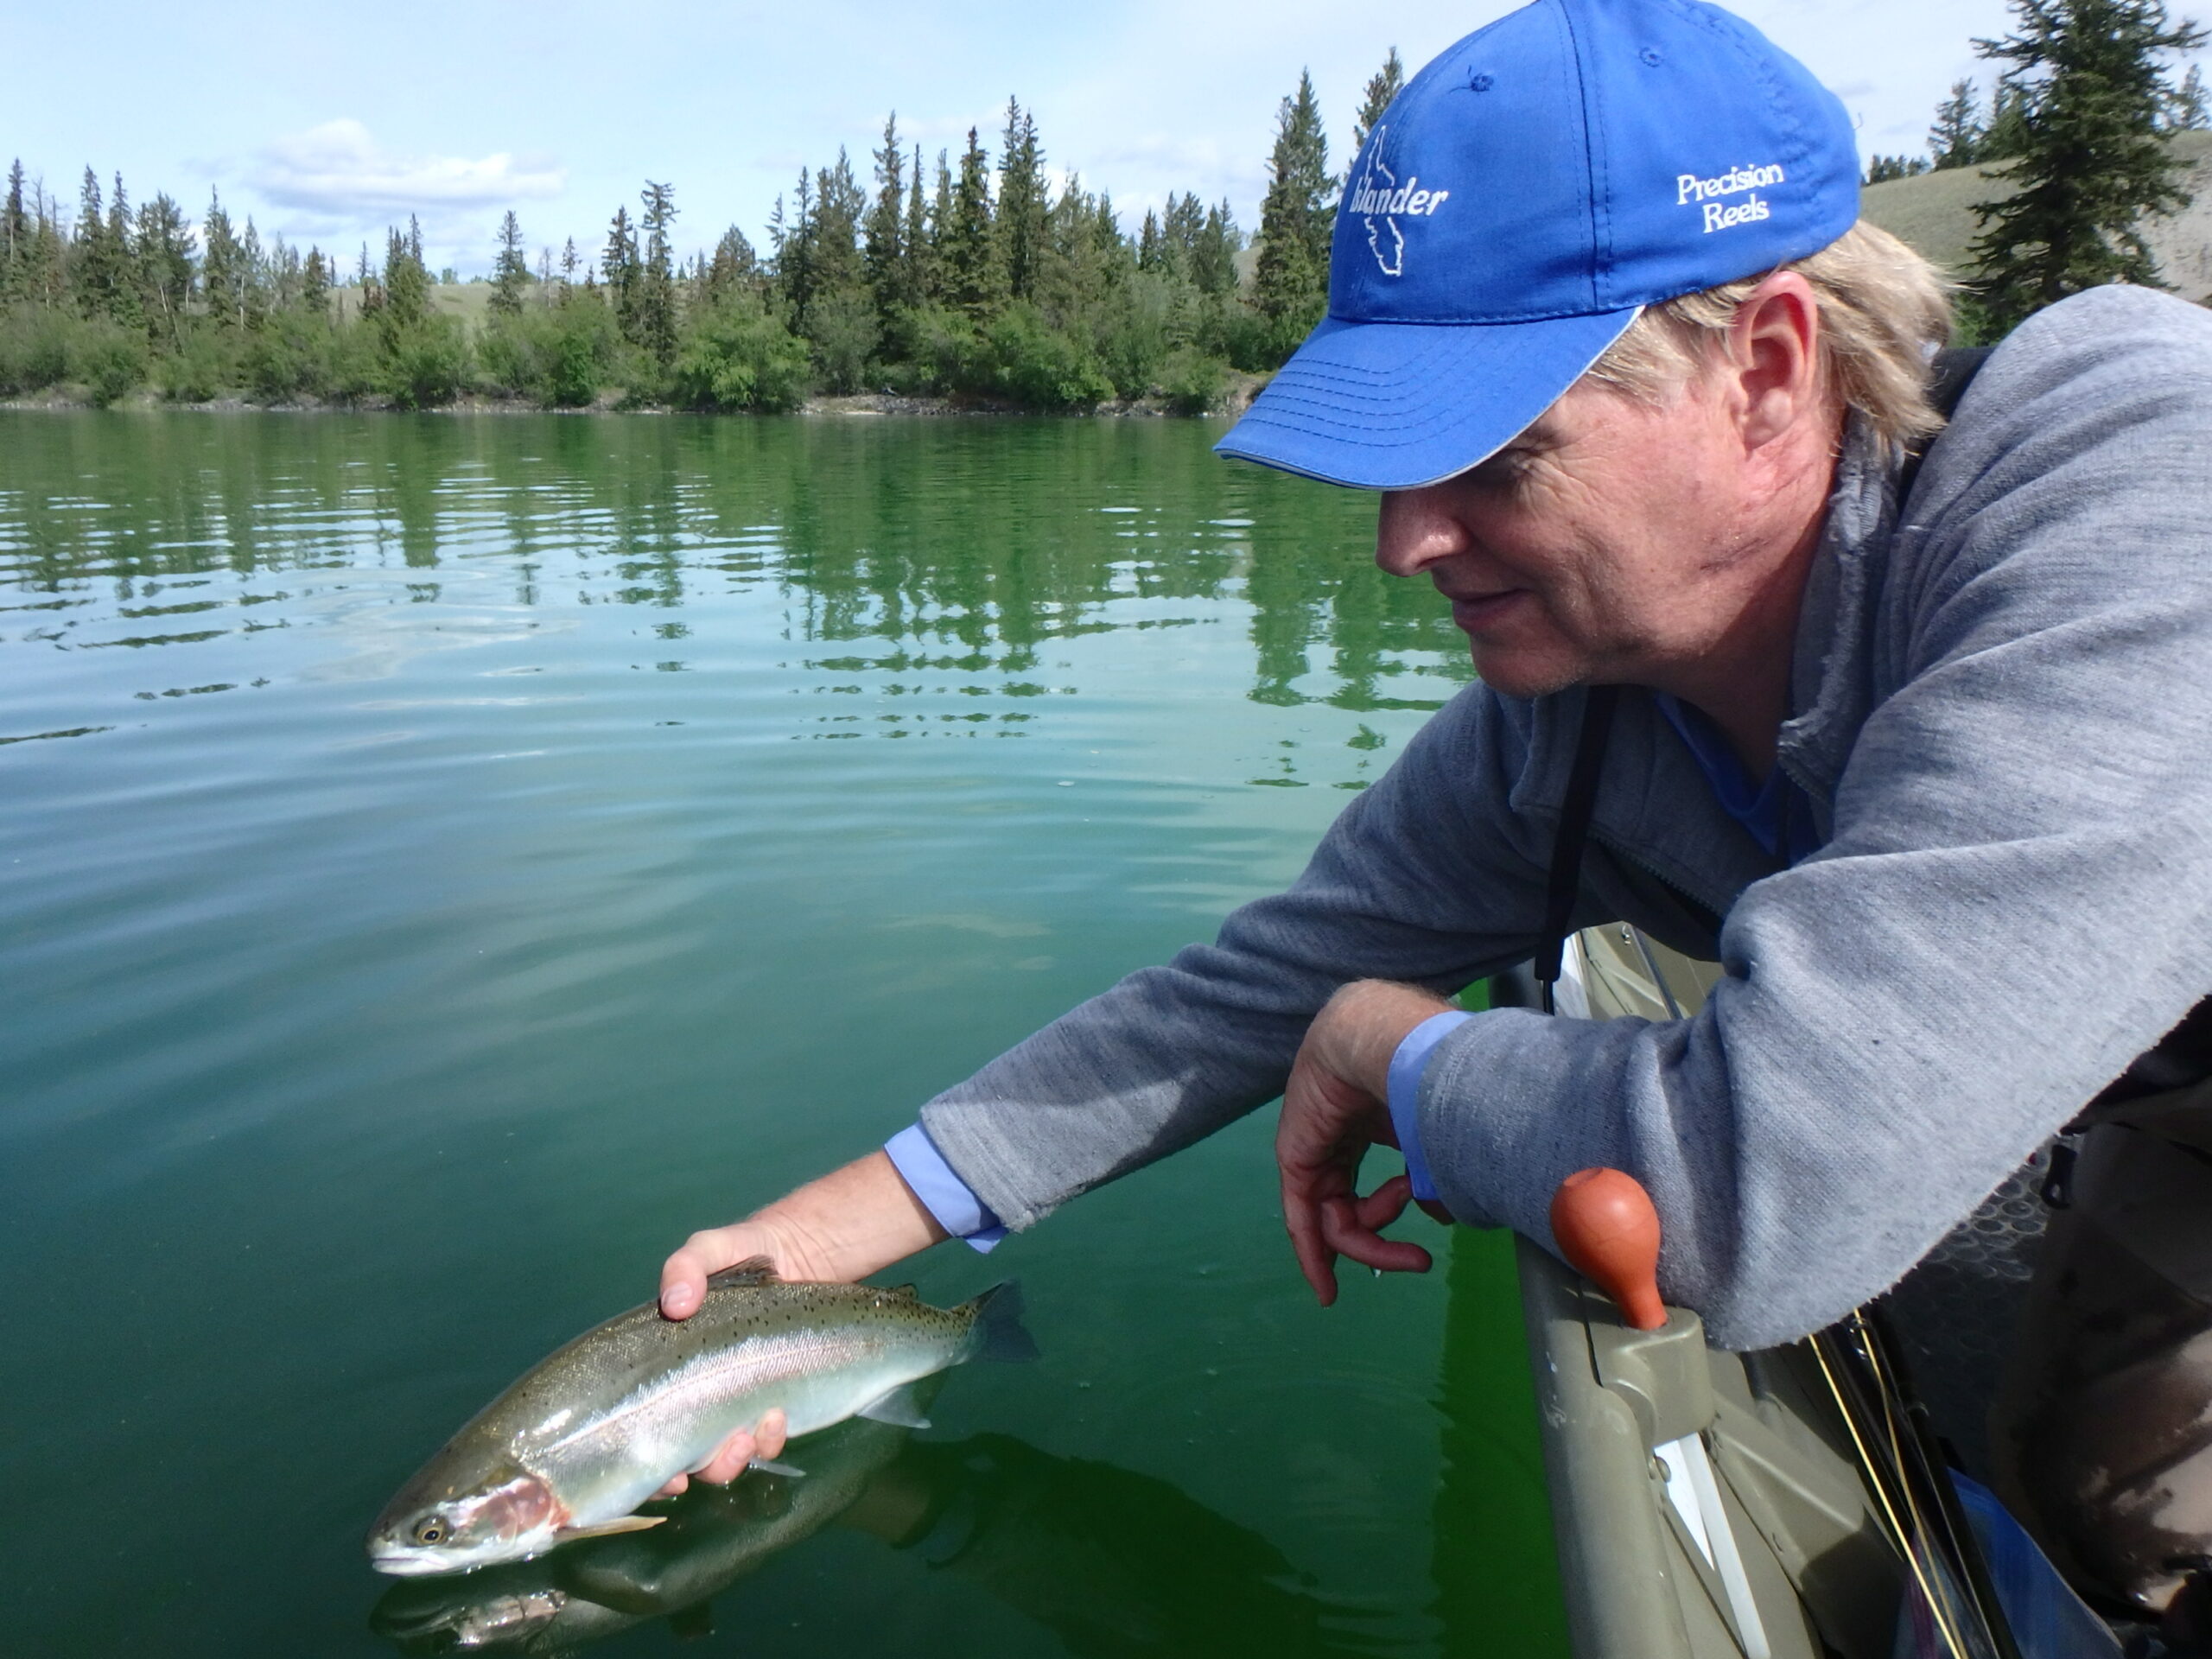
(848,1224)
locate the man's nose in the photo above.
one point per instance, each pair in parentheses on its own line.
(1414,528)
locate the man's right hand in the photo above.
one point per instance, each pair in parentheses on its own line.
(851,1222)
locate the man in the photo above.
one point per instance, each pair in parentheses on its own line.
(1926,775)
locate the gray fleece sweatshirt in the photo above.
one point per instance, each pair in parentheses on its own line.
(2003,696)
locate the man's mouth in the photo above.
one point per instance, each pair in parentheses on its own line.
(1474,612)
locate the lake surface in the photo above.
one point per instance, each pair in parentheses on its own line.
(444,861)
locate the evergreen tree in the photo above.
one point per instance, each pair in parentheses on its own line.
(1214,250)
(99,258)
(315,285)
(1955,140)
(510,271)
(163,247)
(654,304)
(619,264)
(406,289)
(253,278)
(1024,202)
(2093,162)
(222,278)
(920,285)
(1882,168)
(730,274)
(2006,134)
(1381,89)
(890,269)
(975,276)
(14,235)
(1152,246)
(2189,110)
(1290,279)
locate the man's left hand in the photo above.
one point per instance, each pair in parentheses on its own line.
(1333,1110)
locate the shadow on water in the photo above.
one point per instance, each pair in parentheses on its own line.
(1112,1562)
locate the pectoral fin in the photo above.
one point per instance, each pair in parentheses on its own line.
(770,1466)
(900,1407)
(608,1529)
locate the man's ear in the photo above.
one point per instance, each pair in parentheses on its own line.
(1774,358)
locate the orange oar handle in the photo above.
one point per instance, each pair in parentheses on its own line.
(1608,1231)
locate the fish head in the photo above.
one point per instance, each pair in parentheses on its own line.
(436,1525)
(453,1621)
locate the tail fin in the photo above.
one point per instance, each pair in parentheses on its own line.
(998,1332)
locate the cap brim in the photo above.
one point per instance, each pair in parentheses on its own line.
(1396,405)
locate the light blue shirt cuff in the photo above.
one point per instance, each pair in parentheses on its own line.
(943,1193)
(1404,1090)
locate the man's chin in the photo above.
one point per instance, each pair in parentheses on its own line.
(1517,674)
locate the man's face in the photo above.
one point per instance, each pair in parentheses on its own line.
(1611,541)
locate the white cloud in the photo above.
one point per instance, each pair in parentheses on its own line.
(338,169)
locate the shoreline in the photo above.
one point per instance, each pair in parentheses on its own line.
(1238,398)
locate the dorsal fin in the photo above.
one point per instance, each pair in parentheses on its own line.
(750,1274)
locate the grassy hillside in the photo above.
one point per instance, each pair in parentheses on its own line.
(1935,213)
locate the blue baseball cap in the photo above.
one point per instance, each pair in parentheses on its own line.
(1524,196)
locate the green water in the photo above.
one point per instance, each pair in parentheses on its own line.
(444,861)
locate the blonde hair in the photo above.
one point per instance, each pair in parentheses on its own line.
(1883,310)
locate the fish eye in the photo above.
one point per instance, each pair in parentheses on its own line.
(430,1530)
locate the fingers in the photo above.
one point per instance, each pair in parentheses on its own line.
(769,1434)
(1347,1230)
(766,1439)
(1301,1219)
(683,1275)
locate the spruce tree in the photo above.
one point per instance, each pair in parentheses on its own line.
(222,282)
(2092,163)
(1291,278)
(1954,139)
(1381,87)
(406,296)
(654,304)
(921,268)
(2189,110)
(14,234)
(1024,202)
(314,285)
(975,278)
(510,271)
(161,266)
(98,273)
(617,263)
(2005,135)
(889,267)
(1213,257)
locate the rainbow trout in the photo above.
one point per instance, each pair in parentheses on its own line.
(600,1425)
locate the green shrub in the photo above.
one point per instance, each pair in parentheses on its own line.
(559,358)
(107,360)
(201,369)
(840,326)
(737,356)
(34,347)
(942,350)
(427,360)
(289,356)
(1037,366)
(1190,383)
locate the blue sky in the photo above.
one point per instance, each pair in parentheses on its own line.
(327,122)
